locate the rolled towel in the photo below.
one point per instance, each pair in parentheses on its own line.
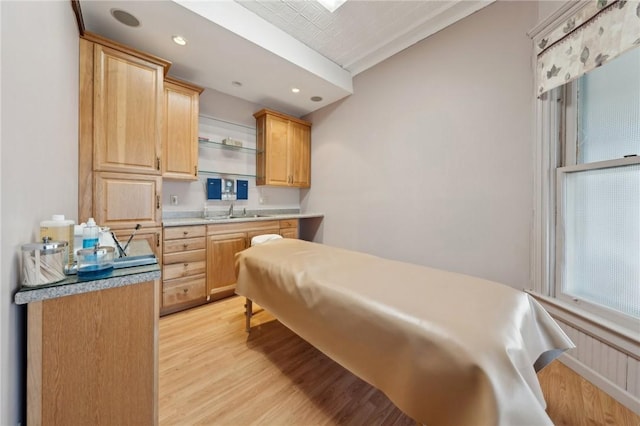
(259,239)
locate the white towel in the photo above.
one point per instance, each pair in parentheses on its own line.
(259,239)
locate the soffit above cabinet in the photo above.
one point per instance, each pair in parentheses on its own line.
(271,47)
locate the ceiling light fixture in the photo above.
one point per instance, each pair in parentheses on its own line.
(316,98)
(236,84)
(331,5)
(179,40)
(125,18)
(295,90)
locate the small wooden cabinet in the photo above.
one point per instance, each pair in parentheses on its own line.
(184,267)
(123,200)
(283,156)
(180,133)
(289,228)
(92,358)
(223,242)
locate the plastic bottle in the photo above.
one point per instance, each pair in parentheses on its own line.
(90,234)
(59,229)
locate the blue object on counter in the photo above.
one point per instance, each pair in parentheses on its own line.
(242,189)
(214,189)
(92,272)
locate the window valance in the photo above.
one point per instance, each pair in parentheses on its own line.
(597,33)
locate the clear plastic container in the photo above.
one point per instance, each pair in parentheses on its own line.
(59,229)
(43,263)
(96,262)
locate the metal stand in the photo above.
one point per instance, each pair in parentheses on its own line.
(248,311)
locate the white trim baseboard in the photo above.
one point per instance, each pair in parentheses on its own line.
(617,393)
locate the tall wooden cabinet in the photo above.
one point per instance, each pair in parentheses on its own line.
(283,156)
(120,138)
(127,113)
(180,135)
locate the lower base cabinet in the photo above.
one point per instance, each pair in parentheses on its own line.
(92,358)
(199,260)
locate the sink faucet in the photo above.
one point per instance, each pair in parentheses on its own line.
(231,210)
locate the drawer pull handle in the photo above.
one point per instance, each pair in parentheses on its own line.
(185,245)
(186,290)
(185,232)
(186,264)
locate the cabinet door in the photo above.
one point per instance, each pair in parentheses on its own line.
(180,136)
(151,235)
(277,151)
(221,272)
(123,200)
(127,112)
(300,155)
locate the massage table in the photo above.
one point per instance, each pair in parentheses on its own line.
(446,348)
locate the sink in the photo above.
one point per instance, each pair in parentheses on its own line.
(249,216)
(226,217)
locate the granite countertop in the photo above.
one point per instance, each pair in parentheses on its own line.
(72,285)
(191,218)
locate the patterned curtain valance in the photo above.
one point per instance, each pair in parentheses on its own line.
(598,33)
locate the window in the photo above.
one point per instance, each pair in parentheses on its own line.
(598,192)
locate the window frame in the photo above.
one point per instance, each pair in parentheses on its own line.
(556,157)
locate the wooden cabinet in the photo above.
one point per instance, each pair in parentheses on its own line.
(223,242)
(283,156)
(120,134)
(153,236)
(180,133)
(289,228)
(123,200)
(92,358)
(127,112)
(184,267)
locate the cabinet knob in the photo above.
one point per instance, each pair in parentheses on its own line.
(185,245)
(185,233)
(186,290)
(186,265)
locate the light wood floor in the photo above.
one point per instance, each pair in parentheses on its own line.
(213,372)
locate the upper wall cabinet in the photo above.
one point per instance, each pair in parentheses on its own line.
(127,109)
(283,155)
(180,133)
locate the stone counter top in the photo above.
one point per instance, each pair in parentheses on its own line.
(213,219)
(73,285)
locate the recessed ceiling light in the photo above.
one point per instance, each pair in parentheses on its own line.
(316,98)
(125,18)
(295,90)
(179,40)
(236,83)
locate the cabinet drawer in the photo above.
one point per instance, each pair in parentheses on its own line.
(183,290)
(289,233)
(184,244)
(289,223)
(186,269)
(174,233)
(182,257)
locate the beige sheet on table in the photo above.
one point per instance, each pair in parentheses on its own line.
(446,348)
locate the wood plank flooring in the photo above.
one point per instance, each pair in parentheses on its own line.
(213,373)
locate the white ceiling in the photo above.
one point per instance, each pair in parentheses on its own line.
(271,46)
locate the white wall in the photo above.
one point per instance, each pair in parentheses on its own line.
(39,158)
(430,161)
